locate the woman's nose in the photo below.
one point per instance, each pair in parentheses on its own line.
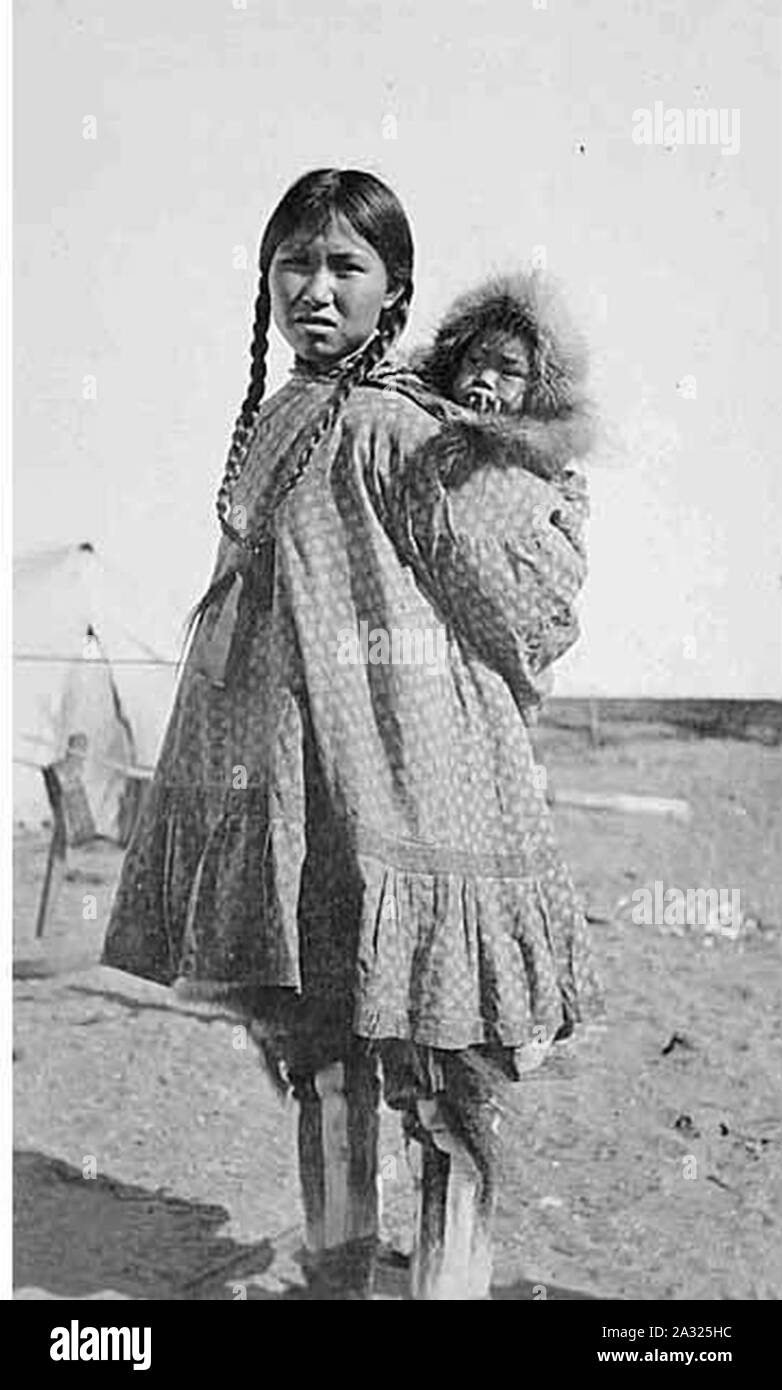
(319,287)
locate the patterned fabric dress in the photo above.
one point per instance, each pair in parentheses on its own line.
(346,804)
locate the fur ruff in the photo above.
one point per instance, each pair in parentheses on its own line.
(557,423)
(470,443)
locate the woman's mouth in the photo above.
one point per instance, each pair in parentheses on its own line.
(315,321)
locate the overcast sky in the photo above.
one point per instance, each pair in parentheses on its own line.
(503,127)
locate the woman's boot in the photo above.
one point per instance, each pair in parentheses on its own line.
(338,1134)
(452,1259)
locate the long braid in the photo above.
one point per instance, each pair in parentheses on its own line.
(390,325)
(248,414)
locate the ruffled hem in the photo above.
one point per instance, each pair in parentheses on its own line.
(414,942)
(451,962)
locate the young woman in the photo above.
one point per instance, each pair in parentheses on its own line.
(356,853)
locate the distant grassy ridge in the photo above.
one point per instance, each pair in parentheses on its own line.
(757,720)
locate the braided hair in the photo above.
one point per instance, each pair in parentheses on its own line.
(248,414)
(375,212)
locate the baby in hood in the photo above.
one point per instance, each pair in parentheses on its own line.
(508,356)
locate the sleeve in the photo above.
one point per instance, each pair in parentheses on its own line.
(499,551)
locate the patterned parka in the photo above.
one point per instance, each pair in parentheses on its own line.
(346,804)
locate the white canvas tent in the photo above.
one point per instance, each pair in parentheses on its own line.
(79,667)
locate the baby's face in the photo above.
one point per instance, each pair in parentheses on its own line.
(493,374)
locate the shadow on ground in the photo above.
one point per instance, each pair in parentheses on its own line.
(77,1237)
(524,1289)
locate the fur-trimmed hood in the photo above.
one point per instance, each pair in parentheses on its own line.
(557,423)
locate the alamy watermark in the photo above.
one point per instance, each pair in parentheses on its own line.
(396,646)
(691,125)
(718,909)
(77,1343)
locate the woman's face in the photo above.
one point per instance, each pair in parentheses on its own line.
(493,374)
(327,291)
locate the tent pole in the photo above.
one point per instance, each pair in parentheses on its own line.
(58,849)
(52,882)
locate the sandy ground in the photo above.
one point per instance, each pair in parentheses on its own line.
(154,1161)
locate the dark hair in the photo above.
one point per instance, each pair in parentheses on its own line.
(375,212)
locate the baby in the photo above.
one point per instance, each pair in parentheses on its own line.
(509,359)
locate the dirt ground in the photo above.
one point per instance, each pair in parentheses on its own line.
(644,1161)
